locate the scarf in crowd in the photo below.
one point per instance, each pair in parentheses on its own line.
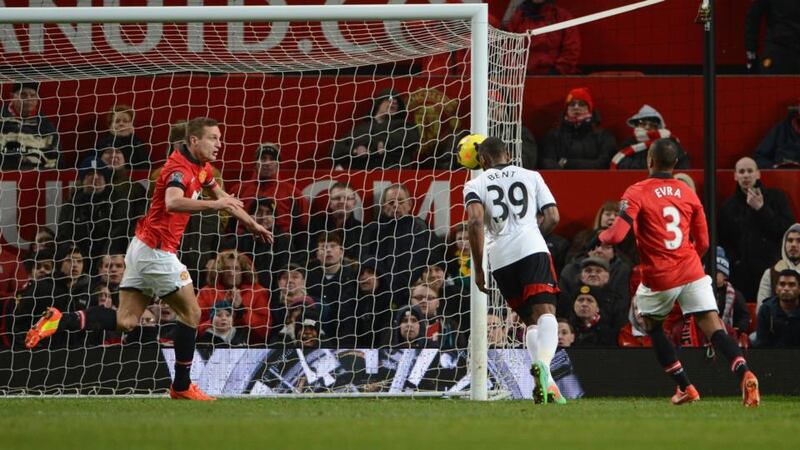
(727,313)
(579,121)
(644,139)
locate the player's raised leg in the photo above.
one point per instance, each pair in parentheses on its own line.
(97,318)
(184,303)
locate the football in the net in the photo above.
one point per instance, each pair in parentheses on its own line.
(468,150)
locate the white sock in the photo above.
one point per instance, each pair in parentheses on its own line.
(547,341)
(532,339)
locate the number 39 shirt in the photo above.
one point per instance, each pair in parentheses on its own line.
(663,212)
(511,197)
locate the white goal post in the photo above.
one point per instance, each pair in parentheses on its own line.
(497,63)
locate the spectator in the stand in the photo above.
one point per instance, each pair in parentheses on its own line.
(408,330)
(790,259)
(556,244)
(593,327)
(291,207)
(44,265)
(454,302)
(123,185)
(334,282)
(291,286)
(648,125)
(439,331)
(605,216)
(28,140)
(111,268)
(222,330)
(731,303)
(382,140)
(578,142)
(374,306)
(45,239)
(779,316)
(236,284)
(781,51)
(295,311)
(166,320)
(95,218)
(554,53)
(458,274)
(122,136)
(338,216)
(268,259)
(202,236)
(401,243)
(611,294)
(751,226)
(308,330)
(496,329)
(780,148)
(566,333)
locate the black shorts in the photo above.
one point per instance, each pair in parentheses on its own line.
(530,280)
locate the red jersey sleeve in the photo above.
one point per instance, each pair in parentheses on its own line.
(178,176)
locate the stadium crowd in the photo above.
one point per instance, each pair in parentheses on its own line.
(330,280)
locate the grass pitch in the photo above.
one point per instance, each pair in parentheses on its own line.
(158,423)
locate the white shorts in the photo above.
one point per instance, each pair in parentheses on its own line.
(152,271)
(694,297)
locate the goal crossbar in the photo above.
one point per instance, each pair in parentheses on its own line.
(243,13)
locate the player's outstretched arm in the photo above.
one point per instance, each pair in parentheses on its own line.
(176,202)
(617,231)
(241,215)
(475,232)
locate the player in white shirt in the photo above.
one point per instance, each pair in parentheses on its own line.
(505,200)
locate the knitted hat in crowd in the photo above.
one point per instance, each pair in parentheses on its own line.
(723,265)
(221,305)
(581,93)
(585,289)
(595,261)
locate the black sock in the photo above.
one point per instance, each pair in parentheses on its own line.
(665,352)
(70,321)
(185,337)
(96,318)
(727,346)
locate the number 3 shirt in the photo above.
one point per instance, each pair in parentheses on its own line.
(663,212)
(511,197)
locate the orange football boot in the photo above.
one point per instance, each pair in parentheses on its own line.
(193,393)
(750,394)
(687,396)
(45,327)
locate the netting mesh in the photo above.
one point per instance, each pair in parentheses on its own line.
(339,137)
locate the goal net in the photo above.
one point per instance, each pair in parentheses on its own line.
(339,129)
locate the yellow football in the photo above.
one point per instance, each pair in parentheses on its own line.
(468,150)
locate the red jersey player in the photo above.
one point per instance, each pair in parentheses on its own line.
(664,213)
(151,265)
